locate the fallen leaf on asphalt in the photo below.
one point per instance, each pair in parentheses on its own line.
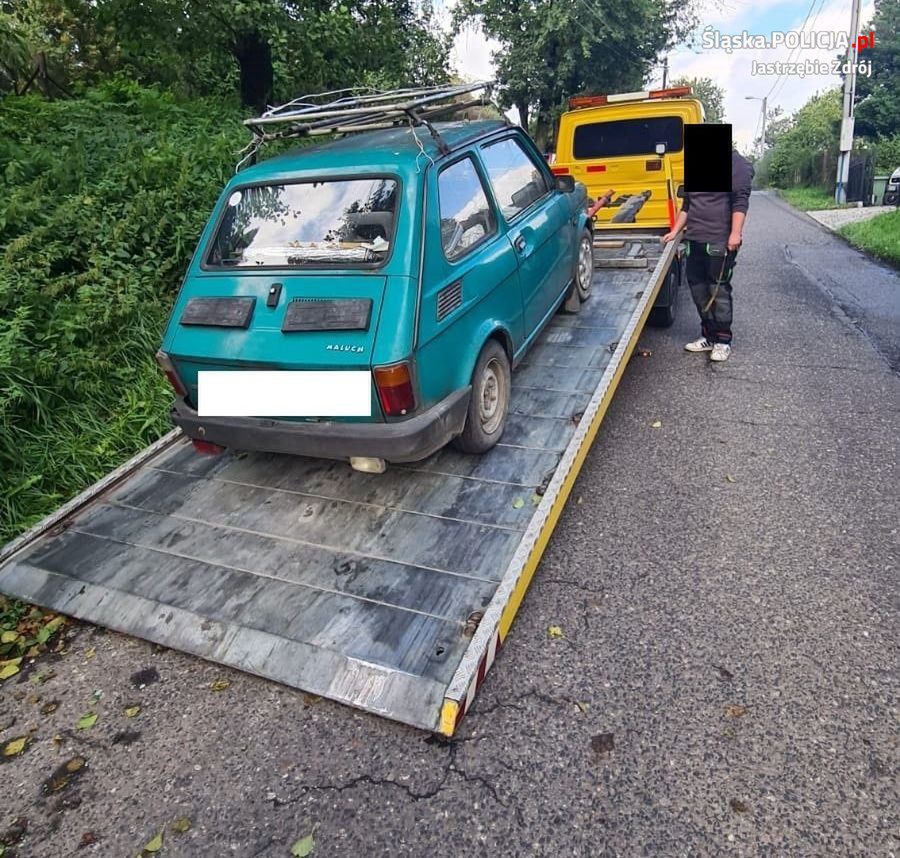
(602,743)
(86,721)
(582,706)
(535,499)
(220,684)
(730,478)
(518,503)
(580,499)
(87,839)
(75,764)
(15,747)
(132,711)
(42,676)
(656,424)
(90,653)
(555,632)
(303,847)
(49,708)
(155,844)
(179,826)
(735,710)
(738,806)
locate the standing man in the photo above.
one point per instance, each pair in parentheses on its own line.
(715,223)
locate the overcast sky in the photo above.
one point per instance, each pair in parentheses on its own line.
(732,71)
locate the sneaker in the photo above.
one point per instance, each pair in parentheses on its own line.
(720,351)
(701,345)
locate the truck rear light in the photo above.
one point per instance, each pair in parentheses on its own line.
(597,168)
(168,368)
(395,390)
(653,165)
(559,171)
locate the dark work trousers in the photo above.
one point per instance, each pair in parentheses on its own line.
(709,277)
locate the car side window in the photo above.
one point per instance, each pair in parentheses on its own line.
(516,179)
(466,215)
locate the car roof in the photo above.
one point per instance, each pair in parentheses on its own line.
(390,150)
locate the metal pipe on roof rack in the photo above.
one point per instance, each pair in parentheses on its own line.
(356,111)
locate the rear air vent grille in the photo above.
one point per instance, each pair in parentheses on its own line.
(448,299)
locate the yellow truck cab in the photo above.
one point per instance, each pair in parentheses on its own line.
(613,142)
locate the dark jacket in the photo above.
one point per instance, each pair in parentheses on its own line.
(709,214)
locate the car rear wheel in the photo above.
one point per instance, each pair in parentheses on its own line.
(489,402)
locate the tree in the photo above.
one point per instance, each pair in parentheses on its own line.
(266,50)
(709,93)
(552,50)
(878,112)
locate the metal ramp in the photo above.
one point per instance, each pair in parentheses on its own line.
(391,593)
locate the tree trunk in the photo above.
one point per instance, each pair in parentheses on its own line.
(254,56)
(543,130)
(522,106)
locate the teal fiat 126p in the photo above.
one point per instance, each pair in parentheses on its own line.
(368,298)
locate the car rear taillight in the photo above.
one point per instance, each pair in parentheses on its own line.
(207,448)
(395,390)
(653,165)
(168,368)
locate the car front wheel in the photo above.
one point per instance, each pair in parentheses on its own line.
(489,402)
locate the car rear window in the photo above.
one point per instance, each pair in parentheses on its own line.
(343,222)
(628,137)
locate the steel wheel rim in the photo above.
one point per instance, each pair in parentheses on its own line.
(585,263)
(491,397)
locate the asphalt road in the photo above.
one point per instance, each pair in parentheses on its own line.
(727,682)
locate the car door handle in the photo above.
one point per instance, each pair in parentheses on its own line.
(520,243)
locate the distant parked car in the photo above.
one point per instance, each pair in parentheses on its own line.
(428,262)
(892,191)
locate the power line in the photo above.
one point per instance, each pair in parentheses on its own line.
(811,29)
(794,49)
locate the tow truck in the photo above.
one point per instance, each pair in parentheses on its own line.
(394,592)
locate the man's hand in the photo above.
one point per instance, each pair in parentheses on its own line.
(734,241)
(669,236)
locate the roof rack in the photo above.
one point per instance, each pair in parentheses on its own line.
(343,111)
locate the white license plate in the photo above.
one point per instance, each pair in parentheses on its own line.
(282,393)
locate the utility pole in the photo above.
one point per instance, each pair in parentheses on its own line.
(665,71)
(847,118)
(762,140)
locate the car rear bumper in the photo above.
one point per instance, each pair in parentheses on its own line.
(405,441)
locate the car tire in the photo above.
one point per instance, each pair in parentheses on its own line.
(489,402)
(583,275)
(664,317)
(584,265)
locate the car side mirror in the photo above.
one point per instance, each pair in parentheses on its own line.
(566,184)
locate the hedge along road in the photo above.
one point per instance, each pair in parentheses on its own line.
(726,673)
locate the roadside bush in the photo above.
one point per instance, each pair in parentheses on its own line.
(102,199)
(888,154)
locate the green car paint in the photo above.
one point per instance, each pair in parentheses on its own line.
(506,275)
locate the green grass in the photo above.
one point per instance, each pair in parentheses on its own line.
(102,199)
(879,236)
(809,199)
